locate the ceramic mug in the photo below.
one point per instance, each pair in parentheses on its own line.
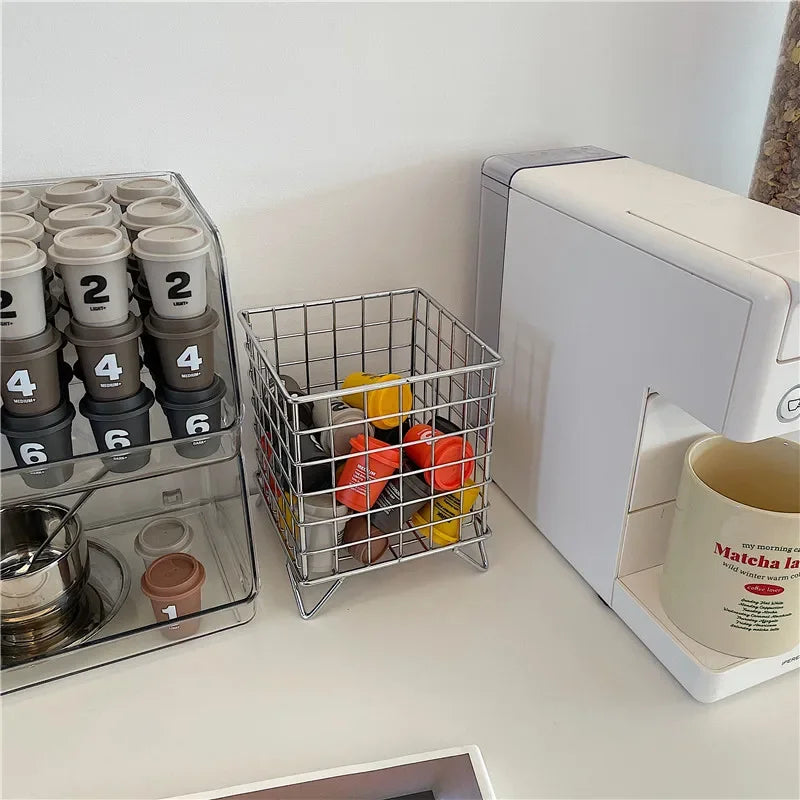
(731,577)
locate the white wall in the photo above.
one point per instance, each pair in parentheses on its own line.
(339,147)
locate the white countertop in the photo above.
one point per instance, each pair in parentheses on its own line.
(525,661)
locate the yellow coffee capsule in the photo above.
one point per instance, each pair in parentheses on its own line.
(380,402)
(446,510)
(285,507)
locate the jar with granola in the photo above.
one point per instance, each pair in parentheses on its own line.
(776,178)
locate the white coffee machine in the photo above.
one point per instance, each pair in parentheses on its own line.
(636,310)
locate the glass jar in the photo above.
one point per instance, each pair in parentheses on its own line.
(776,178)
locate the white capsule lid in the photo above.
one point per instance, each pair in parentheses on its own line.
(19,257)
(133,189)
(154,211)
(162,536)
(89,245)
(21,226)
(17,199)
(171,243)
(75,190)
(80,214)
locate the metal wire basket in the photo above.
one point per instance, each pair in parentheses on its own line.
(361,473)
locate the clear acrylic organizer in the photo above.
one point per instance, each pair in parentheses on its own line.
(208,493)
(210,499)
(420,349)
(163,456)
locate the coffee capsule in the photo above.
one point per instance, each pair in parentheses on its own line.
(92,263)
(185,349)
(109,357)
(22,309)
(39,443)
(133,189)
(120,424)
(174,585)
(192,414)
(29,373)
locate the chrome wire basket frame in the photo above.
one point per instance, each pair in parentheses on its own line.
(415,345)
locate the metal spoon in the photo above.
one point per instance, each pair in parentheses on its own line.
(26,567)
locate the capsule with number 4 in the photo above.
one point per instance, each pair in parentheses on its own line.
(31,383)
(185,349)
(109,357)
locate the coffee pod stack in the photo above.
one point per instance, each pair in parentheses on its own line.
(139,215)
(150,212)
(36,416)
(181,324)
(74,191)
(77,216)
(18,201)
(129,191)
(21,226)
(92,260)
(24,226)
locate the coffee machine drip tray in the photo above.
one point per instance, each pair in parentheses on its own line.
(707,674)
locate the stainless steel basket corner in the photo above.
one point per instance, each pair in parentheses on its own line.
(451,372)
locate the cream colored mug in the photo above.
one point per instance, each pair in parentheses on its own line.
(731,577)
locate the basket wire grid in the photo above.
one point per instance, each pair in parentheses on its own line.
(425,351)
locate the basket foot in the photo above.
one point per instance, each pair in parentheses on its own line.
(305,612)
(483,564)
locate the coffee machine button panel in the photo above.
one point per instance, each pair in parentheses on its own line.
(789,406)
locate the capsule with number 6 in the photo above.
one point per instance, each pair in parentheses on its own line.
(39,443)
(191,415)
(120,424)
